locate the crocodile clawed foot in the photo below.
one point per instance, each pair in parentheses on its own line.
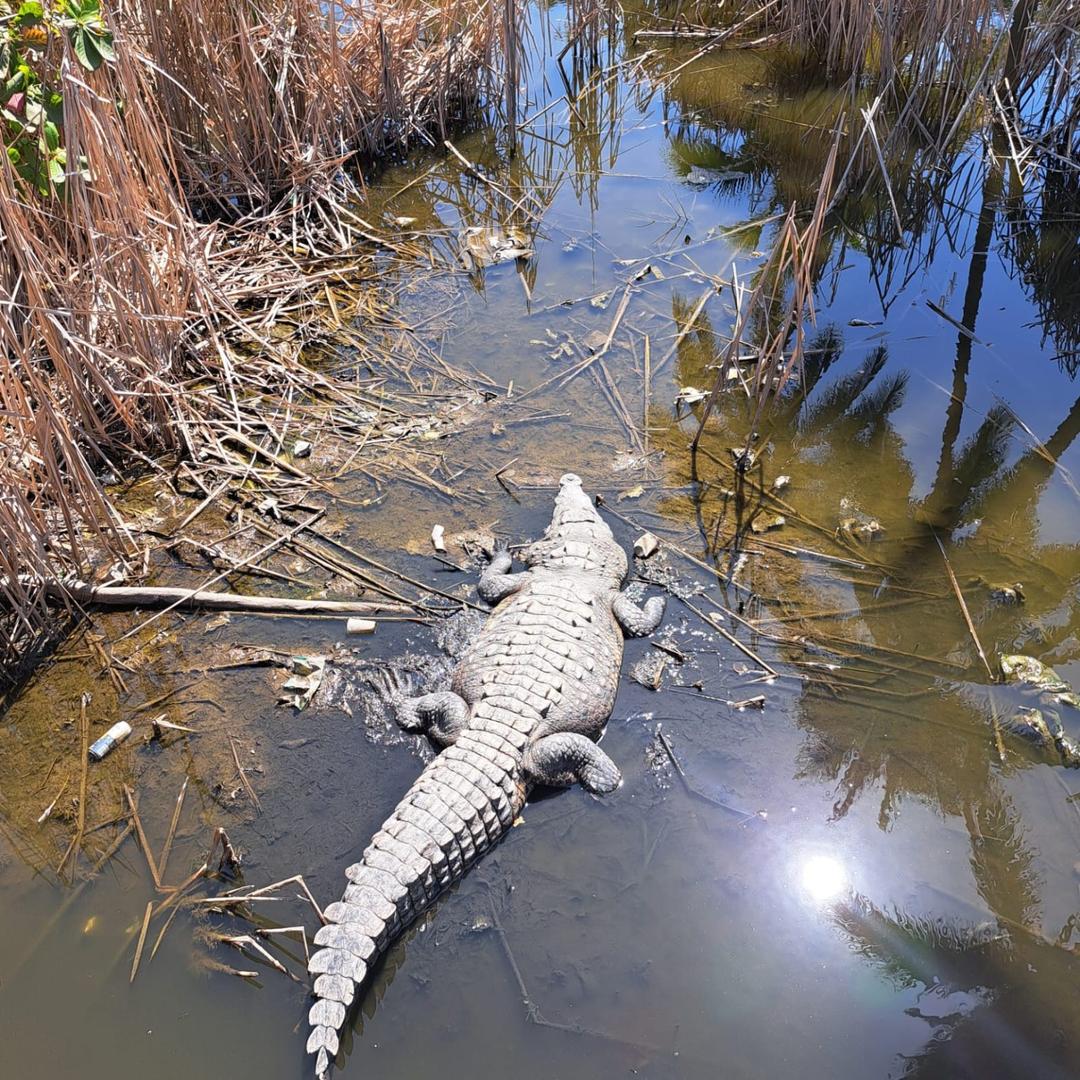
(497,547)
(390,684)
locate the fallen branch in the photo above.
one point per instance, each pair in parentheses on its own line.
(146,596)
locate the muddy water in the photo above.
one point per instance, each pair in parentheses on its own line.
(856,880)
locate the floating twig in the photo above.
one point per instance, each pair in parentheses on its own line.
(142,941)
(243,777)
(963,607)
(172,827)
(143,842)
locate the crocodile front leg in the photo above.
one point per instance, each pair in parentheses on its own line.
(638,621)
(441,715)
(561,759)
(496,582)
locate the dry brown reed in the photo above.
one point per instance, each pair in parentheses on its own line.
(221,150)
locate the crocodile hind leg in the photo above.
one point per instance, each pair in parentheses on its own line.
(441,715)
(565,757)
(496,582)
(638,621)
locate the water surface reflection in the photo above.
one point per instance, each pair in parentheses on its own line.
(853,880)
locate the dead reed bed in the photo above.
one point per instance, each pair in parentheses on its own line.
(179,179)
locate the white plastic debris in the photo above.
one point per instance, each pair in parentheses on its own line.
(306,678)
(360,626)
(689,395)
(645,545)
(437,538)
(301,448)
(485,245)
(110,740)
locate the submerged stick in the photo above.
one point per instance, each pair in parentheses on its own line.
(690,788)
(685,329)
(243,780)
(713,620)
(76,840)
(161,933)
(963,607)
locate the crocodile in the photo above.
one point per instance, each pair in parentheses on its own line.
(528,700)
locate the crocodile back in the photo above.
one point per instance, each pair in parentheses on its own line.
(554,649)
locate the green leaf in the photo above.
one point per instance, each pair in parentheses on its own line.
(30,13)
(86,49)
(84,12)
(56,170)
(52,135)
(13,155)
(54,107)
(13,85)
(103,39)
(32,172)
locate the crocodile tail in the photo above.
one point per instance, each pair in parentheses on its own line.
(458,807)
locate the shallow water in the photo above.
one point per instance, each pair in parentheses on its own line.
(849,882)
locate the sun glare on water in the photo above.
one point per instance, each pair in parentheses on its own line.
(823,877)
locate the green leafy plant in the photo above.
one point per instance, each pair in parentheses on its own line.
(90,37)
(31,106)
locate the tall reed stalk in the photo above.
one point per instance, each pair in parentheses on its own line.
(219,135)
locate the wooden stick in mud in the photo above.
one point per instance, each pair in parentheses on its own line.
(147,596)
(243,780)
(726,634)
(646,387)
(250,560)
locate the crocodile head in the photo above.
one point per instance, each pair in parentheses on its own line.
(578,539)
